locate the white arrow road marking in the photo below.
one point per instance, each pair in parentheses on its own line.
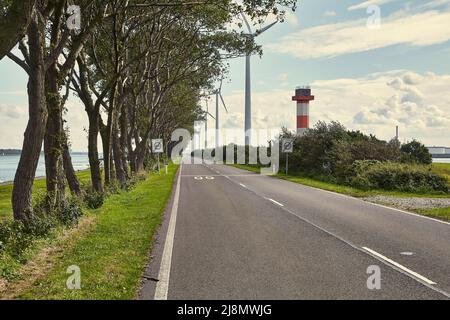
(398,265)
(162,287)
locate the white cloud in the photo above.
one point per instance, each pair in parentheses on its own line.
(366,4)
(330,40)
(435,4)
(329,13)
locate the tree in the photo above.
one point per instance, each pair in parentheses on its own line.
(417,152)
(15,16)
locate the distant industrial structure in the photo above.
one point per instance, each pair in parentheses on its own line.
(439,152)
(303,97)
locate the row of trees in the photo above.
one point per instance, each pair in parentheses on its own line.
(138,66)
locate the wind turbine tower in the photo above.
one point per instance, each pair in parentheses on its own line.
(206,123)
(218,94)
(248,84)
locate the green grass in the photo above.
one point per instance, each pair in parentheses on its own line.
(442,169)
(113,255)
(354,192)
(38,186)
(441,213)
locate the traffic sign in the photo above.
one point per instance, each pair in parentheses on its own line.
(157,146)
(287,145)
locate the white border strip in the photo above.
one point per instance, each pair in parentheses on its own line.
(162,286)
(398,265)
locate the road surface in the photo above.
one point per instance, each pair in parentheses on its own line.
(232,234)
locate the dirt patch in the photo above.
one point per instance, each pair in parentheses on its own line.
(44,261)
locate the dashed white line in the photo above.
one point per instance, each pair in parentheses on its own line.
(276,202)
(398,265)
(243,185)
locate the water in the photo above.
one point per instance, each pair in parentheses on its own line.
(8,165)
(443,160)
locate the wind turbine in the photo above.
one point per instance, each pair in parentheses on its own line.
(248,85)
(206,123)
(218,93)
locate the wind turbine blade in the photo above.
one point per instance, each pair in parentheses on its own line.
(223,101)
(258,32)
(211,115)
(247,24)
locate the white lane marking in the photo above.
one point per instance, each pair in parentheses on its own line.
(398,265)
(276,202)
(210,178)
(243,185)
(198,178)
(162,287)
(407,253)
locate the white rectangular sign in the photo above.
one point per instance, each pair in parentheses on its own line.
(287,145)
(157,146)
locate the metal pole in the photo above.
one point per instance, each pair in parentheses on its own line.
(217,120)
(287,163)
(248,102)
(159,166)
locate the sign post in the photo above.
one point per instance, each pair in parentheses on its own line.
(287,146)
(158,148)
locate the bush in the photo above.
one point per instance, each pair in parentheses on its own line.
(417,152)
(396,176)
(93,199)
(14,239)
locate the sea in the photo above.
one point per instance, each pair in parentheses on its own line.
(8,165)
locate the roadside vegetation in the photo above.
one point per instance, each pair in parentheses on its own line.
(111,247)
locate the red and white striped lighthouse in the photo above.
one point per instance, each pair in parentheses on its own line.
(303,97)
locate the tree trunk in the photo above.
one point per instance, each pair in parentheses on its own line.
(71,176)
(53,142)
(94,161)
(124,140)
(141,152)
(34,134)
(117,152)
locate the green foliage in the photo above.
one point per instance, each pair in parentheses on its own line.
(93,200)
(368,175)
(417,152)
(16,236)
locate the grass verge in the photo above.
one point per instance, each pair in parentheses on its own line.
(354,192)
(112,254)
(441,213)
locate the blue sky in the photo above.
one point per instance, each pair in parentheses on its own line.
(370,79)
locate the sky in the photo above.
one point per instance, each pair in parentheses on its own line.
(372,65)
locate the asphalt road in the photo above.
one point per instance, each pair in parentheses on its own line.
(231,234)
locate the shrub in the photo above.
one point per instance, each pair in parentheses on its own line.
(417,152)
(396,176)
(70,212)
(14,239)
(93,199)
